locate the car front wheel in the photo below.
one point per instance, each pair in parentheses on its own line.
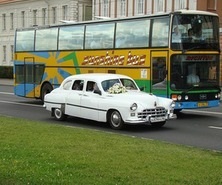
(115,120)
(59,115)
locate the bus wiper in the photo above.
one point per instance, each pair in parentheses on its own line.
(193,87)
(190,49)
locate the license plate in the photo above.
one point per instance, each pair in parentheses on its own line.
(157,119)
(202,104)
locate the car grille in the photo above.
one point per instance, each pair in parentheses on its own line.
(157,112)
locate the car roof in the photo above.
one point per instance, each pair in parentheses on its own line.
(97,76)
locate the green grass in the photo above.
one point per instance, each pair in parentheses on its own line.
(38,153)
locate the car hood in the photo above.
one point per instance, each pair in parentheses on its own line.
(142,98)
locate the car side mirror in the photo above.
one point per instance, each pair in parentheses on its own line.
(97,91)
(142,88)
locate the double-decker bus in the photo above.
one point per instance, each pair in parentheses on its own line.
(161,52)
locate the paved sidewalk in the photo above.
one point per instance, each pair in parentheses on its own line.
(5,81)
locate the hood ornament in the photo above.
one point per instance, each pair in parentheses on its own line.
(155,104)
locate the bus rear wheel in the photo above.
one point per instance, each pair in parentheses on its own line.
(46,88)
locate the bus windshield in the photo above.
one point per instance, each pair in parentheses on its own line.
(195,32)
(189,71)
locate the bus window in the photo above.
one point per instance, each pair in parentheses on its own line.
(160,32)
(20,74)
(25,40)
(71,37)
(204,32)
(99,36)
(159,73)
(132,34)
(46,39)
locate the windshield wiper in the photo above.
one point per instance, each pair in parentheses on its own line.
(193,87)
(190,49)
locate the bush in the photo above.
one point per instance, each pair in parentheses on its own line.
(6,72)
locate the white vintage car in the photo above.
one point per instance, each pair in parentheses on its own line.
(111,98)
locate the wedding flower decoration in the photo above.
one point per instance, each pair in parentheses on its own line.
(117,88)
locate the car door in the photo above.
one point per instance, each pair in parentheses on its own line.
(73,100)
(90,102)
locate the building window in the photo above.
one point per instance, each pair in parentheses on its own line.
(140,6)
(211,4)
(65,12)
(54,14)
(159,5)
(11,21)
(34,17)
(180,4)
(123,8)
(23,18)
(12,51)
(4,53)
(3,22)
(44,16)
(106,8)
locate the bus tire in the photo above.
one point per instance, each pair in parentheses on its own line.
(115,119)
(177,111)
(46,88)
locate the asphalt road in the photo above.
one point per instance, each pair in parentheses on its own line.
(195,128)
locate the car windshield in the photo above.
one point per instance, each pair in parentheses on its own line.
(194,32)
(127,83)
(194,72)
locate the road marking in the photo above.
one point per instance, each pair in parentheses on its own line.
(204,112)
(6,93)
(219,128)
(17,103)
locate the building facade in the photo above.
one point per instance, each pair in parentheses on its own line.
(26,13)
(126,8)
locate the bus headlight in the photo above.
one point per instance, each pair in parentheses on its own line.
(179,97)
(217,96)
(133,107)
(186,97)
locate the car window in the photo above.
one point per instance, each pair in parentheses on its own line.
(78,85)
(67,85)
(109,83)
(90,86)
(129,84)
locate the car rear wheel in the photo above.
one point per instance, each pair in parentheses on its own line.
(115,120)
(159,124)
(59,115)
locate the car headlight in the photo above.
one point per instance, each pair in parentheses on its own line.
(173,104)
(133,107)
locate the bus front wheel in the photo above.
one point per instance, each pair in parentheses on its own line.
(46,88)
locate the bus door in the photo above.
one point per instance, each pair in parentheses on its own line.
(24,80)
(159,80)
(29,85)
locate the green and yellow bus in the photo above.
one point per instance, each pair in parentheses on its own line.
(161,52)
